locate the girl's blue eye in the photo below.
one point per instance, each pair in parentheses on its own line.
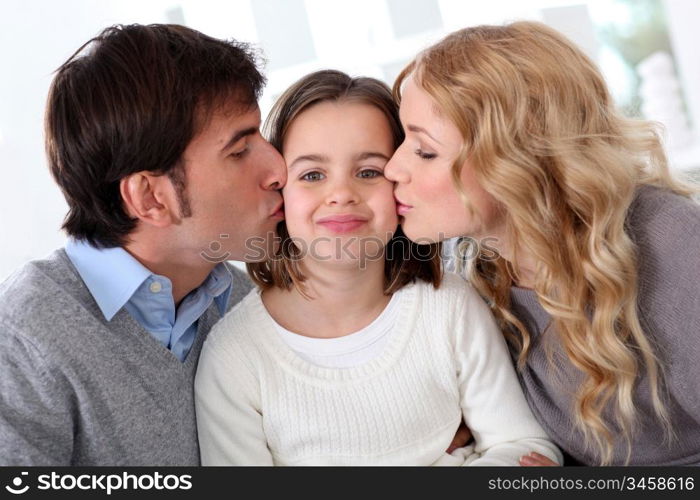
(425,156)
(312,176)
(369,173)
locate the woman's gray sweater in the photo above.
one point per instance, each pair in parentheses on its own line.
(666,230)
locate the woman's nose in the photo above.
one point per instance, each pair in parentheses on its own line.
(393,170)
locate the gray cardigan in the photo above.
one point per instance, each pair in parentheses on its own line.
(78,390)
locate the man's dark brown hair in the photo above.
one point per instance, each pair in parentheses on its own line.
(131,100)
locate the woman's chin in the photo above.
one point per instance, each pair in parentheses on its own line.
(421,236)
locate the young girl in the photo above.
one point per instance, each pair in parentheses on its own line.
(350,354)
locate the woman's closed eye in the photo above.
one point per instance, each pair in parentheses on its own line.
(425,155)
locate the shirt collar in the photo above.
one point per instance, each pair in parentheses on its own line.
(219,284)
(113,275)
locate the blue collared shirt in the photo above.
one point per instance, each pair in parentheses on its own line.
(116,279)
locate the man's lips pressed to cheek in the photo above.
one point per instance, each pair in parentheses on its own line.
(278,212)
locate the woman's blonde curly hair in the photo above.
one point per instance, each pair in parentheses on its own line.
(543,137)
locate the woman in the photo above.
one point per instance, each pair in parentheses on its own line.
(513,140)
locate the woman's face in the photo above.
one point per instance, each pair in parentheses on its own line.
(338,203)
(428,202)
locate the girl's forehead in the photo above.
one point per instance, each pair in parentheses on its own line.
(332,128)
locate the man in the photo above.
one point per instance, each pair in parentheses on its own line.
(152,134)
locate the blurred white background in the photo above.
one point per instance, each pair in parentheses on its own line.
(362,37)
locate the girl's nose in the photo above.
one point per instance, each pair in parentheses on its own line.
(342,193)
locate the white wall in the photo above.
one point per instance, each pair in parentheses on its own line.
(683,17)
(35,38)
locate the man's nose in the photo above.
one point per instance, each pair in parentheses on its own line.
(276,169)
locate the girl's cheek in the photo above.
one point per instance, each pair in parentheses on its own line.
(389,204)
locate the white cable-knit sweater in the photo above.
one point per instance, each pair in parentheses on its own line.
(259,403)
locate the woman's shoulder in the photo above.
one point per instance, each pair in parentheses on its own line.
(657,213)
(665,227)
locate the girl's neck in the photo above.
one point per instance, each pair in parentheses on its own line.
(344,299)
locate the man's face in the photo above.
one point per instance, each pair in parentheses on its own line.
(232,177)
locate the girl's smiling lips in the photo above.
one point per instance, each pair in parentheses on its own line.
(342,223)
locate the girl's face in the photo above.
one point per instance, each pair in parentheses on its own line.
(338,204)
(426,197)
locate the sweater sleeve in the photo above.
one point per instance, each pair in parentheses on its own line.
(493,404)
(36,407)
(229,417)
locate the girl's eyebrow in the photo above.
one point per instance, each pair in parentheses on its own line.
(318,158)
(312,157)
(371,154)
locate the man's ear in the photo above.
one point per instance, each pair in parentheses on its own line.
(150,198)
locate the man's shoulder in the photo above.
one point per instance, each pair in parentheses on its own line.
(32,283)
(40,296)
